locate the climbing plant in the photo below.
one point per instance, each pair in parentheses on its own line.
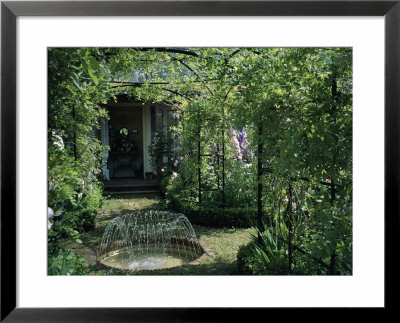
(265,128)
(299,103)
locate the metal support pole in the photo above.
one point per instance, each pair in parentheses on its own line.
(259,184)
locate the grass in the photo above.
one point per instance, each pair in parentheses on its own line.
(223,243)
(129,203)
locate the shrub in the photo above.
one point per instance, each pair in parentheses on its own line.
(250,262)
(65,262)
(247,260)
(89,207)
(74,193)
(164,152)
(215,216)
(270,257)
(240,184)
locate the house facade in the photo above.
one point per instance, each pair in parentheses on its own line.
(128,133)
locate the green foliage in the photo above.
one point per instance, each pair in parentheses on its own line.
(267,247)
(78,84)
(240,186)
(295,103)
(83,218)
(251,262)
(256,259)
(65,262)
(301,100)
(209,216)
(164,152)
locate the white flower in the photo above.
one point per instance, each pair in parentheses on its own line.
(294,206)
(50,214)
(174,175)
(236,148)
(59,142)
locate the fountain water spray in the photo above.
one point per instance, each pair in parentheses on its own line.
(146,240)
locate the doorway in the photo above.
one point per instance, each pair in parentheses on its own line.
(126,142)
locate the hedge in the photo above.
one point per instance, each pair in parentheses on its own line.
(218,217)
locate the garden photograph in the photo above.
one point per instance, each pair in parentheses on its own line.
(200,161)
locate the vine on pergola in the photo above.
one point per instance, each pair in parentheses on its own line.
(295,105)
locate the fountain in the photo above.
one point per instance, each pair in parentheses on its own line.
(147,240)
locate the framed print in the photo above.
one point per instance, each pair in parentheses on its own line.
(357,41)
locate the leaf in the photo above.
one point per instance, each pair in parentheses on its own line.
(77,84)
(93,76)
(58,212)
(263,255)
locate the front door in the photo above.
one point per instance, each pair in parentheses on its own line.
(126,142)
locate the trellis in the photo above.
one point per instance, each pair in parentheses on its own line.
(219,157)
(331,184)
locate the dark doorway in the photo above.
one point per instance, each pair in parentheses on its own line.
(126,142)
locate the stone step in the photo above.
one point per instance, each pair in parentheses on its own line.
(126,192)
(132,188)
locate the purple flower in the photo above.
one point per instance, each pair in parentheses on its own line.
(243,143)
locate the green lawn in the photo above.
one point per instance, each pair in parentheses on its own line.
(223,243)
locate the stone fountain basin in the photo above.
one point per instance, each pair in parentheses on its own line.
(137,258)
(149,240)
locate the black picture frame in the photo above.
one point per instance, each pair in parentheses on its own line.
(10,10)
